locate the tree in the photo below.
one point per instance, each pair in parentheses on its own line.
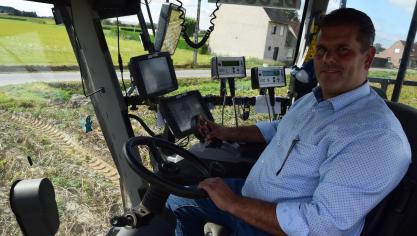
(190,25)
(379,47)
(292,15)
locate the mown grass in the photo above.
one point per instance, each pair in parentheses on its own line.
(31,43)
(408,93)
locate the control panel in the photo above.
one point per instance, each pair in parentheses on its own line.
(268,77)
(228,67)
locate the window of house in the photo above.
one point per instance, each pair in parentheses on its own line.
(281,30)
(290,52)
(274,30)
(397,50)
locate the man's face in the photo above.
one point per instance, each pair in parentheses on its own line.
(340,64)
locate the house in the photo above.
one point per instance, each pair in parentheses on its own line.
(258,32)
(394,53)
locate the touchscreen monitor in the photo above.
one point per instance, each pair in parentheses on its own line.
(179,110)
(153,74)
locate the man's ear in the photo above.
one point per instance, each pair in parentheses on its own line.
(370,54)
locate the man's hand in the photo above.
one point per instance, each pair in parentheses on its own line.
(255,212)
(210,130)
(222,196)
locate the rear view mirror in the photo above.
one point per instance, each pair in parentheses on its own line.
(169,28)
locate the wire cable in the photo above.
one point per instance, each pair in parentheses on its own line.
(224,92)
(150,16)
(208,32)
(234,108)
(119,56)
(267,105)
(78,55)
(142,123)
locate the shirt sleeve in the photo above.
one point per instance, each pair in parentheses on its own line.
(352,182)
(268,129)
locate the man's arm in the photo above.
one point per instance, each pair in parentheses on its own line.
(260,214)
(249,134)
(358,175)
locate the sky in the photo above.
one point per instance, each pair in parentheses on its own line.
(391,17)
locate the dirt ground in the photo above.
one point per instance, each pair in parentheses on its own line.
(79,166)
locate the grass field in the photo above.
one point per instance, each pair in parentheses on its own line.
(30,42)
(39,42)
(408,93)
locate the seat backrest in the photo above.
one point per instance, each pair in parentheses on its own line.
(33,203)
(396,214)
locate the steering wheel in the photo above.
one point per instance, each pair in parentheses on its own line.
(165,170)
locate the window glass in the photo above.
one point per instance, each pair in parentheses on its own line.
(387,16)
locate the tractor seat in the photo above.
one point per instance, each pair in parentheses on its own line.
(33,203)
(396,214)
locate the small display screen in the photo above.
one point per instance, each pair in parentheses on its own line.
(156,75)
(184,110)
(271,72)
(230,63)
(179,110)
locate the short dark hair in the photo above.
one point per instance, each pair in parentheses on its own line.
(352,17)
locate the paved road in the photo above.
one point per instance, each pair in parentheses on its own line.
(21,78)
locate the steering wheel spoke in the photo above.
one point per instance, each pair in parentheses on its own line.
(169,176)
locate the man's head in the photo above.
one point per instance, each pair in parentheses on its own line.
(344,51)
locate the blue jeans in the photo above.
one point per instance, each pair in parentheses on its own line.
(192,214)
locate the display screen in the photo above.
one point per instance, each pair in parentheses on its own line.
(184,110)
(271,72)
(179,110)
(230,63)
(156,75)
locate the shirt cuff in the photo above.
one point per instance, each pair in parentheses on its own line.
(268,129)
(290,219)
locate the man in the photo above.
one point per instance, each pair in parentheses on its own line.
(331,159)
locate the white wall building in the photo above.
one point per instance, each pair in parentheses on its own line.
(249,31)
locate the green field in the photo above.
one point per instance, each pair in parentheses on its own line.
(33,41)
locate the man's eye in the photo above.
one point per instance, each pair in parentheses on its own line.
(343,50)
(320,51)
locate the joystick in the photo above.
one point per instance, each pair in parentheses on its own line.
(201,129)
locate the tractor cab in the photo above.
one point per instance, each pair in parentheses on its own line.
(175,169)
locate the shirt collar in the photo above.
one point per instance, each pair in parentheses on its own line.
(343,99)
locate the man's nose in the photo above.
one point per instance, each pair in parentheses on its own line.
(329,57)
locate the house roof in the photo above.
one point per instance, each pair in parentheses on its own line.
(278,16)
(413,52)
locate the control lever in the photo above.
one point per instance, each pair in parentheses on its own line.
(201,129)
(121,221)
(217,169)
